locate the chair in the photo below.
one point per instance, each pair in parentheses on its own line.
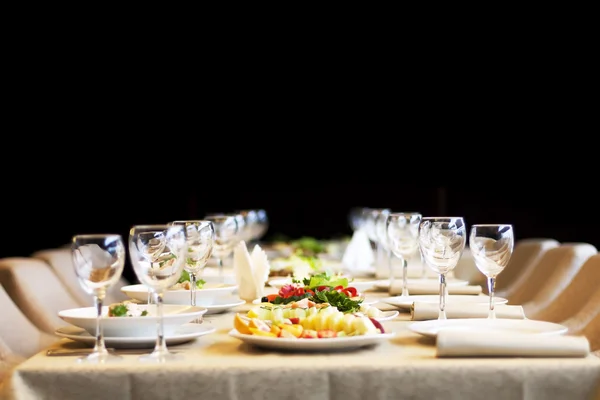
(587,321)
(467,270)
(36,290)
(525,255)
(574,297)
(8,360)
(61,262)
(550,275)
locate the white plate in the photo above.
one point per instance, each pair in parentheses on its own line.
(184,334)
(223,304)
(341,343)
(407,301)
(387,315)
(384,284)
(173,316)
(204,297)
(432,327)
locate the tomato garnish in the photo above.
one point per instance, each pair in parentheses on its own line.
(295,320)
(272,297)
(352,292)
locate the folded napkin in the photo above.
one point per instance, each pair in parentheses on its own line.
(358,253)
(460,343)
(426,311)
(251,271)
(432,288)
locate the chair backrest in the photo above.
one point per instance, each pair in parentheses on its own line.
(19,334)
(587,321)
(551,274)
(8,360)
(467,270)
(60,261)
(574,297)
(525,255)
(36,290)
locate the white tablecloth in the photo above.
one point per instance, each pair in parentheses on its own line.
(218,366)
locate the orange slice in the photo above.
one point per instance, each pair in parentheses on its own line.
(241,325)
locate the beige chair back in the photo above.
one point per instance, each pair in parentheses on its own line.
(525,254)
(8,360)
(61,262)
(574,297)
(587,321)
(36,290)
(550,275)
(18,333)
(467,270)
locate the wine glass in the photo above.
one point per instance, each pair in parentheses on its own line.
(200,239)
(160,274)
(402,231)
(382,241)
(262,222)
(226,235)
(442,241)
(98,260)
(492,247)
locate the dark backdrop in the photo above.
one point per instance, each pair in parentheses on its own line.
(35,218)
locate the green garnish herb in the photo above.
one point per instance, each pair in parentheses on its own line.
(118,310)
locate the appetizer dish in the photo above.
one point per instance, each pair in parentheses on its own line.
(126,309)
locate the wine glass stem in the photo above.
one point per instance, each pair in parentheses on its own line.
(423,266)
(193,288)
(220,266)
(491,289)
(442,313)
(404,276)
(99,347)
(390,269)
(161,344)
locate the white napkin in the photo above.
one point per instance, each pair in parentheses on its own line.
(433,288)
(251,271)
(460,343)
(426,311)
(358,253)
(261,268)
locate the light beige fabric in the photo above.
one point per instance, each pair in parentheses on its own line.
(572,299)
(17,332)
(525,254)
(592,332)
(587,320)
(433,288)
(451,343)
(8,360)
(62,264)
(36,290)
(555,281)
(218,366)
(549,272)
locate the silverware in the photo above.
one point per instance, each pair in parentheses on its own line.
(85,352)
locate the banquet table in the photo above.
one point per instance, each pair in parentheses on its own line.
(218,366)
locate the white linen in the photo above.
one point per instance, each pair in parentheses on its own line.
(460,343)
(358,254)
(242,267)
(427,311)
(432,288)
(260,269)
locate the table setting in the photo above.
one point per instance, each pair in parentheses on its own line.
(322,326)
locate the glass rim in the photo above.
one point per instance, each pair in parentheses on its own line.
(491,225)
(405,213)
(179,221)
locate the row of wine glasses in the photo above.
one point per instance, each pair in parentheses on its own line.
(440,242)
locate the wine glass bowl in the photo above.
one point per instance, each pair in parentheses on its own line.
(226,235)
(158,271)
(200,236)
(491,246)
(98,260)
(402,230)
(442,241)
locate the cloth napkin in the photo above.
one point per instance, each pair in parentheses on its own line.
(457,343)
(251,271)
(358,254)
(432,288)
(426,311)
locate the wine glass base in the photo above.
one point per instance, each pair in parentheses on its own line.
(160,357)
(99,358)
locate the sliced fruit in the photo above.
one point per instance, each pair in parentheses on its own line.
(309,334)
(326,333)
(285,334)
(259,332)
(241,325)
(275,329)
(295,329)
(259,324)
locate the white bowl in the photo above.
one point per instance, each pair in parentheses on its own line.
(173,317)
(204,297)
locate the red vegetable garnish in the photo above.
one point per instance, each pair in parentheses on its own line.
(377,325)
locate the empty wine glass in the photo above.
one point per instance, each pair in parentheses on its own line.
(226,236)
(200,239)
(262,222)
(98,261)
(160,274)
(382,241)
(442,241)
(492,247)
(402,231)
